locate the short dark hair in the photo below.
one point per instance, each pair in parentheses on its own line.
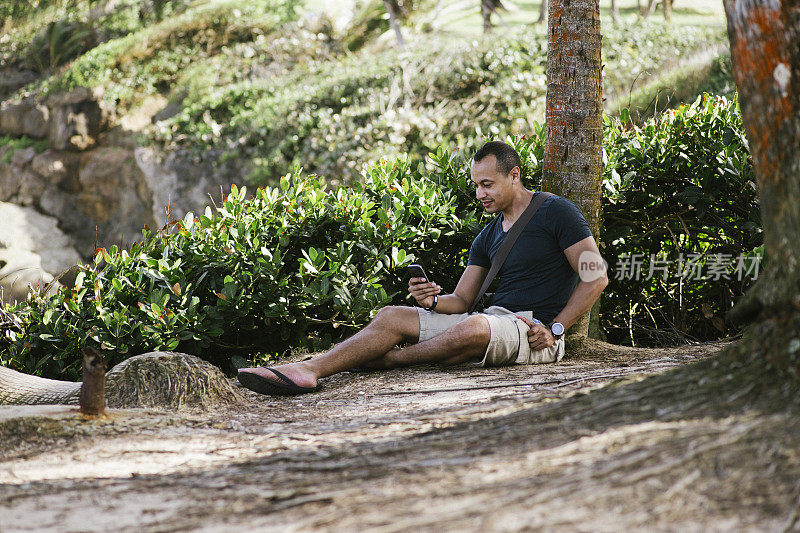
(507,157)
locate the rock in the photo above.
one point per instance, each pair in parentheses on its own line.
(9,182)
(11,80)
(32,250)
(75,96)
(169,111)
(23,156)
(76,118)
(31,188)
(20,185)
(58,168)
(64,206)
(109,205)
(182,185)
(24,118)
(20,270)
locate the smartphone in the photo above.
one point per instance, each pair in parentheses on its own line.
(416,271)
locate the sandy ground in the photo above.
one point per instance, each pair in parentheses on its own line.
(423,449)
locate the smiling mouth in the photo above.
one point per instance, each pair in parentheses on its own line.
(485,204)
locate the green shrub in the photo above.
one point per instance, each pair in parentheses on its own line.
(148,60)
(17,143)
(302,265)
(681,184)
(58,42)
(291,266)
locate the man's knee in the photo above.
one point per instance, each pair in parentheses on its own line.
(400,319)
(474,332)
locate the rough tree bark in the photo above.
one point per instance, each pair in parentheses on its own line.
(92,399)
(573,110)
(764,37)
(393,9)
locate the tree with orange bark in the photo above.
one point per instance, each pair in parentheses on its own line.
(574,110)
(765,53)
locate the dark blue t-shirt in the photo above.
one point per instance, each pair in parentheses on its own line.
(536,275)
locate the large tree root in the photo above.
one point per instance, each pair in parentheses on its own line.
(157,379)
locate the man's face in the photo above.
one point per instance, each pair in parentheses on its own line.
(493,189)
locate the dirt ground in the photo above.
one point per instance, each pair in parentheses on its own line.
(564,447)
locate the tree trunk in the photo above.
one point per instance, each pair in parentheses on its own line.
(486,13)
(667,6)
(92,399)
(651,6)
(394,10)
(764,38)
(489,7)
(542,12)
(574,107)
(614,13)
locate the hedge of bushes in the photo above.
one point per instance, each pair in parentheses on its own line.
(300,264)
(680,187)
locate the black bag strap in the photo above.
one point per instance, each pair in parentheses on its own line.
(508,243)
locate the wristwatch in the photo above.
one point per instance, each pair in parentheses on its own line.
(557,328)
(435,301)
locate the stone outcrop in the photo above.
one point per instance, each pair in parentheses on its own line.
(76,118)
(24,118)
(98,182)
(13,79)
(32,251)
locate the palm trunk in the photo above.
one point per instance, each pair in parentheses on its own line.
(764,37)
(574,123)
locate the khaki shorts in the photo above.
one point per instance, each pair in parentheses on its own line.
(508,343)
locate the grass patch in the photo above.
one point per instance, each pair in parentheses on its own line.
(19,143)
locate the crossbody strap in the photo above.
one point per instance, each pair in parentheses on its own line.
(505,247)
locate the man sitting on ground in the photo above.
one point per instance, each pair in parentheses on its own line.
(538,296)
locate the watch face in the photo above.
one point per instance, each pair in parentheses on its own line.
(557,328)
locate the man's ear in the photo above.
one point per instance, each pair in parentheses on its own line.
(516,174)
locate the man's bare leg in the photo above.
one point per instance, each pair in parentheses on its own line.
(466,341)
(390,327)
(463,342)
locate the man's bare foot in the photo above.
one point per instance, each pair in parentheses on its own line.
(297,372)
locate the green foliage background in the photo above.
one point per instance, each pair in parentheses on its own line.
(300,264)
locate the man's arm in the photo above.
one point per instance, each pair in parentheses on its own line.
(458,302)
(584,258)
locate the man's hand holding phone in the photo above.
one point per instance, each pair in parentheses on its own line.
(421,288)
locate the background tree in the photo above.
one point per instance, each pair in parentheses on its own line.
(573,112)
(764,37)
(666,5)
(488,8)
(614,12)
(542,12)
(395,10)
